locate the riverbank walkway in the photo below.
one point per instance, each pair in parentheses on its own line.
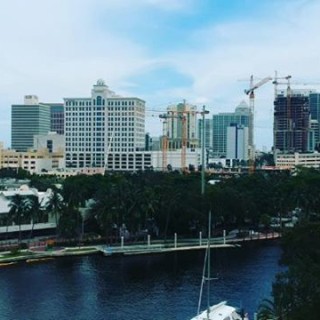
(183,244)
(41,254)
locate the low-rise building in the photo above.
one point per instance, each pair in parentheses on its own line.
(33,161)
(173,158)
(290,161)
(10,225)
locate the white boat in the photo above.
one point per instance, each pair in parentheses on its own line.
(220,311)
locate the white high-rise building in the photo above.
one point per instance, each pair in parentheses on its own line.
(105,130)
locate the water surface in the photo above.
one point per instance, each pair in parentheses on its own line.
(156,287)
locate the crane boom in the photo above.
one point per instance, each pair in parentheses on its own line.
(257,85)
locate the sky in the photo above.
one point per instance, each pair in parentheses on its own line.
(162,51)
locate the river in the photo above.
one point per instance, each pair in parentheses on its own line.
(156,287)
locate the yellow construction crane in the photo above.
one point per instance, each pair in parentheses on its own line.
(250,92)
(164,142)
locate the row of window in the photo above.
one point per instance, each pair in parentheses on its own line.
(97,102)
(111,128)
(69,149)
(95,137)
(82,113)
(121,103)
(71,121)
(82,128)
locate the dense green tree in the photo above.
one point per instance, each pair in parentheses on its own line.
(43,183)
(69,226)
(296,290)
(14,173)
(172,202)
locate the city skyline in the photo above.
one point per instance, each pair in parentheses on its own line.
(159,51)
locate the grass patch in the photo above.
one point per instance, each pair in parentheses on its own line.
(17,254)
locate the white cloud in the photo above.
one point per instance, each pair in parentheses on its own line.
(226,52)
(58,48)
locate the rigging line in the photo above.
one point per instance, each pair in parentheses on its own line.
(202,281)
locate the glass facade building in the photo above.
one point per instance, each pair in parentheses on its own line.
(57,117)
(220,123)
(26,121)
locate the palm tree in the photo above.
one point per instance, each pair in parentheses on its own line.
(55,204)
(266,310)
(34,211)
(269,310)
(18,206)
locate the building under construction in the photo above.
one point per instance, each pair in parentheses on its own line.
(292,130)
(182,126)
(179,131)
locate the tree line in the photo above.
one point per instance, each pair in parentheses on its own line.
(166,203)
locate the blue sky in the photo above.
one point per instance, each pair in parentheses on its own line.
(162,51)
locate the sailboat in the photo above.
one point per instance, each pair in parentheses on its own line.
(220,311)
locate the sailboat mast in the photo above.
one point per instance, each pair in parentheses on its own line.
(208,265)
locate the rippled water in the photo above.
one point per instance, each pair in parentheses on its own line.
(157,287)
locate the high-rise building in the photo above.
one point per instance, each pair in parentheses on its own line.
(237,142)
(28,119)
(208,133)
(208,136)
(57,117)
(182,124)
(105,130)
(221,122)
(314,103)
(292,121)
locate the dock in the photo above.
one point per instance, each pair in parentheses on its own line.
(182,245)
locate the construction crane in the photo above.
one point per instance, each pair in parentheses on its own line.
(251,94)
(164,146)
(183,116)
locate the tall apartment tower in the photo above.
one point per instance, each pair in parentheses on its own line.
(104,130)
(28,119)
(292,125)
(222,121)
(237,142)
(182,123)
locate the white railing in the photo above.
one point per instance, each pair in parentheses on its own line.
(27,227)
